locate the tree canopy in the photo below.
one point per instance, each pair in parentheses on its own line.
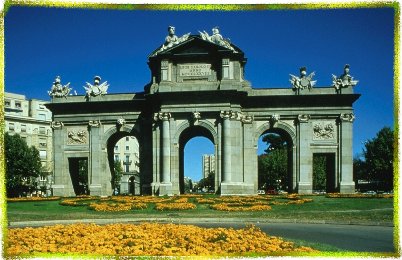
(272,166)
(23,165)
(378,156)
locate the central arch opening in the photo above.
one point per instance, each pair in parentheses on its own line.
(124,164)
(195,142)
(275,162)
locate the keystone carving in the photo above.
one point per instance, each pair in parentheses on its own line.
(323,131)
(56,124)
(196,116)
(77,137)
(120,122)
(347,117)
(274,119)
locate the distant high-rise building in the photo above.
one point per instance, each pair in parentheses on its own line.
(208,165)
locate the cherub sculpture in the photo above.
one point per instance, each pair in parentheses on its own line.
(216,38)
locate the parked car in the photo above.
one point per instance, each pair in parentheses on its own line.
(260,192)
(370,192)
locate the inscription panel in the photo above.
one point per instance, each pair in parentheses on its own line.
(195,70)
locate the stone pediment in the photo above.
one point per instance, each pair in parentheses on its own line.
(194,45)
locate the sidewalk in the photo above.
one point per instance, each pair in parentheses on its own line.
(12,224)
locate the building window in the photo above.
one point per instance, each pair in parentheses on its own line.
(17,104)
(7,103)
(42,107)
(116,147)
(127,148)
(23,128)
(11,126)
(127,138)
(42,142)
(116,158)
(42,130)
(127,163)
(42,155)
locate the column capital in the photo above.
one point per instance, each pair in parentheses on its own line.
(94,123)
(163,116)
(226,114)
(350,117)
(56,124)
(303,118)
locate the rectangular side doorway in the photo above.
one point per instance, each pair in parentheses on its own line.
(324,177)
(78,168)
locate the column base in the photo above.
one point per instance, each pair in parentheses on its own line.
(305,188)
(347,187)
(95,190)
(62,190)
(237,188)
(166,189)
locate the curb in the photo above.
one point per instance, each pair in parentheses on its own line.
(191,221)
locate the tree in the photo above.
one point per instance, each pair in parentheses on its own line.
(319,172)
(208,182)
(274,142)
(118,173)
(272,168)
(378,158)
(23,165)
(273,165)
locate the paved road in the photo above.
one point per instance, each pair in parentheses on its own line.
(348,237)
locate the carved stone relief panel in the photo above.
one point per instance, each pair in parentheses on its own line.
(324,130)
(77,136)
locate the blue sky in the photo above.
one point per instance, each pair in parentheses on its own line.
(41,43)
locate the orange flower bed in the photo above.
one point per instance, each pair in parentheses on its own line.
(147,239)
(174,206)
(235,207)
(32,199)
(110,207)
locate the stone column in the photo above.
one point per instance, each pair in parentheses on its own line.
(226,153)
(60,186)
(165,187)
(304,156)
(165,148)
(347,184)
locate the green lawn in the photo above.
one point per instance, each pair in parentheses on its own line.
(321,208)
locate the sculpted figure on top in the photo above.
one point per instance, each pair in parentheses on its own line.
(172,39)
(96,89)
(58,90)
(304,81)
(345,80)
(216,38)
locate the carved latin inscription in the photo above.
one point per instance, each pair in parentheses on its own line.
(194,70)
(323,131)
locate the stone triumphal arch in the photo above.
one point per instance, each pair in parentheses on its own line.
(198,89)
